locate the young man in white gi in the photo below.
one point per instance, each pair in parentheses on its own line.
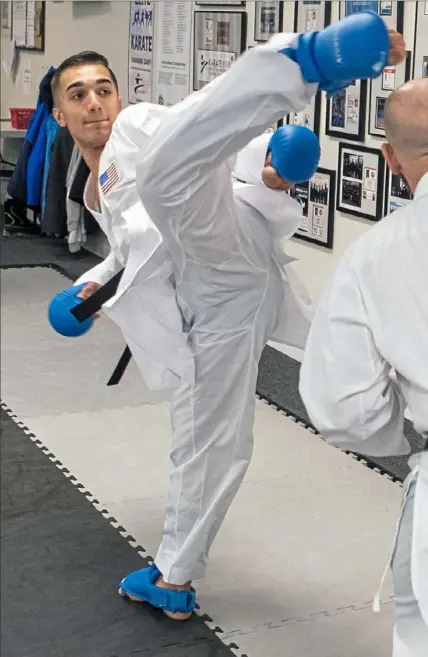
(210,257)
(372,321)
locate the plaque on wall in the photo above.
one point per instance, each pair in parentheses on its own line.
(317,199)
(420,61)
(311,16)
(361,172)
(380,88)
(268,19)
(397,192)
(219,39)
(392,12)
(346,112)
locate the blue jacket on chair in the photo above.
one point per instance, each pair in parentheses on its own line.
(26,183)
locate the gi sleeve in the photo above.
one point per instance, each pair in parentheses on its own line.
(345,382)
(102,272)
(178,172)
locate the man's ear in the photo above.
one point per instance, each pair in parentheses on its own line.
(58,116)
(120,103)
(391,158)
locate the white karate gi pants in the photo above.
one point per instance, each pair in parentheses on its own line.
(212,421)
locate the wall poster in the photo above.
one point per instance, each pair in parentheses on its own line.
(219,38)
(420,61)
(392,12)
(172,45)
(28,25)
(346,112)
(397,192)
(361,181)
(380,88)
(268,19)
(317,198)
(140,57)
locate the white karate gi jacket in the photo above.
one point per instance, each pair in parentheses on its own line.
(145,306)
(373,318)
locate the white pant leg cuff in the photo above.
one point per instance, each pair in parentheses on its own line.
(175,575)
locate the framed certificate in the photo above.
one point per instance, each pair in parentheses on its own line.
(317,199)
(311,16)
(219,38)
(268,19)
(420,60)
(361,181)
(392,12)
(380,88)
(346,112)
(397,192)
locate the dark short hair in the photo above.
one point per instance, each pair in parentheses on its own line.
(85,57)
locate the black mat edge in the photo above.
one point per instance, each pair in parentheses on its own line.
(379,468)
(142,552)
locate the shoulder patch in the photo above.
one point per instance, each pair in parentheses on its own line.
(109,178)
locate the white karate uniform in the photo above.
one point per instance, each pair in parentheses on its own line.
(224,242)
(372,320)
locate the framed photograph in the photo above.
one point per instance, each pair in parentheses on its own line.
(361,181)
(397,192)
(311,16)
(380,88)
(392,12)
(219,38)
(346,112)
(28,25)
(268,19)
(420,60)
(317,199)
(310,116)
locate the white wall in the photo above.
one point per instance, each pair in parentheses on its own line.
(103,26)
(70,28)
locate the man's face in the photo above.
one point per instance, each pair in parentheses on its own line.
(272,179)
(87,104)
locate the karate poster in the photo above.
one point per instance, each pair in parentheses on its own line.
(317,199)
(219,40)
(140,61)
(173,32)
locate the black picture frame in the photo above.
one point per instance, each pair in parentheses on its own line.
(395,22)
(243,17)
(327,14)
(317,115)
(40,6)
(342,134)
(388,196)
(280,7)
(380,185)
(407,74)
(331,175)
(419,17)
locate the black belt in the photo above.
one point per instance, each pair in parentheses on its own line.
(92,305)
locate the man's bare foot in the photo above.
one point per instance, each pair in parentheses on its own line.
(174,587)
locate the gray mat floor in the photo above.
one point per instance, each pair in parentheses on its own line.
(296,563)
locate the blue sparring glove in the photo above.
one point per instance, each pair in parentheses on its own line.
(356,47)
(295,152)
(60,317)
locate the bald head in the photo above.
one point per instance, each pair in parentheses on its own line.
(406,119)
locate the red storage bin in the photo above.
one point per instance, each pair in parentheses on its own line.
(20,117)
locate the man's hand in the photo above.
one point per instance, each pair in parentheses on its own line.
(397,50)
(87,291)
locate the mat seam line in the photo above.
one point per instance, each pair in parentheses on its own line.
(142,552)
(223,635)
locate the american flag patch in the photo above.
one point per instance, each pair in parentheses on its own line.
(109,178)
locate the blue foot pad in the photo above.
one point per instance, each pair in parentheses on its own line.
(142,584)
